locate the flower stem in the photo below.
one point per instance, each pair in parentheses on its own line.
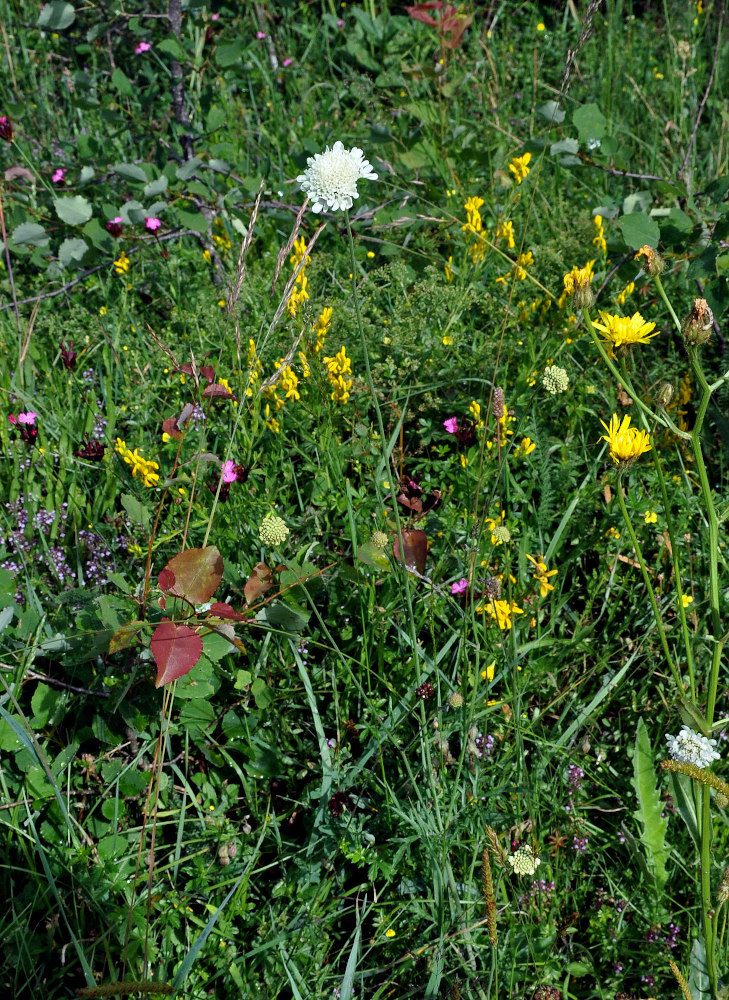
(648,584)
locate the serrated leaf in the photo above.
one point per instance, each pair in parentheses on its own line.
(56,16)
(74,211)
(552,112)
(188,169)
(590,122)
(121,82)
(639,229)
(156,187)
(198,573)
(30,232)
(130,172)
(176,649)
(192,220)
(648,813)
(72,251)
(173,48)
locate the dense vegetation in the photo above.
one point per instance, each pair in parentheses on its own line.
(343,616)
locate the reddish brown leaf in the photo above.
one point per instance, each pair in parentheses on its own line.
(169,426)
(125,636)
(176,649)
(218,390)
(207,372)
(221,610)
(166,579)
(414,549)
(197,574)
(260,580)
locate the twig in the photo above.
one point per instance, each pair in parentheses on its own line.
(622,173)
(8,264)
(706,92)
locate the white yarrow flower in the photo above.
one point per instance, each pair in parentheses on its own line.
(523,861)
(331,178)
(692,748)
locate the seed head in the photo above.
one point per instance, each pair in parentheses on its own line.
(696,327)
(652,262)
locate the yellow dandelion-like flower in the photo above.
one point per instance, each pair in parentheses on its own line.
(624,331)
(519,167)
(577,283)
(626,443)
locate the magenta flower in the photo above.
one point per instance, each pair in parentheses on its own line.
(152,224)
(459,586)
(451,425)
(287,62)
(59,175)
(229,473)
(23,418)
(260,34)
(114,226)
(142,47)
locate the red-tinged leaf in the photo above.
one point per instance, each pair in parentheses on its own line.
(176,649)
(418,15)
(169,426)
(260,580)
(225,630)
(218,390)
(162,602)
(126,636)
(186,368)
(414,549)
(166,579)
(221,610)
(207,372)
(197,573)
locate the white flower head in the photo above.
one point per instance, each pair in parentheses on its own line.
(692,748)
(555,380)
(331,177)
(524,861)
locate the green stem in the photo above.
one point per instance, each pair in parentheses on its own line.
(706,903)
(648,584)
(661,291)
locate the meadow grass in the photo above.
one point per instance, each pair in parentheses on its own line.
(343,617)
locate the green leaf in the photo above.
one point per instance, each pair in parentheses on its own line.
(552,112)
(653,825)
(43,705)
(590,122)
(56,16)
(99,236)
(135,509)
(172,47)
(639,229)
(71,252)
(121,82)
(188,169)
(705,265)
(215,118)
(130,172)
(698,979)
(284,616)
(197,716)
(74,211)
(227,55)
(30,232)
(564,146)
(155,187)
(192,220)
(261,692)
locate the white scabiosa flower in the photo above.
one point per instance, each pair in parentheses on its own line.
(524,861)
(330,179)
(555,380)
(690,747)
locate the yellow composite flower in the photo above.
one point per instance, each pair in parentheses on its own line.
(623,331)
(626,443)
(578,277)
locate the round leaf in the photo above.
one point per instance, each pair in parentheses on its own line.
(30,232)
(176,649)
(639,229)
(71,252)
(74,211)
(56,16)
(198,573)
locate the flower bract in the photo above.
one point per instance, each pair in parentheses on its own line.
(330,179)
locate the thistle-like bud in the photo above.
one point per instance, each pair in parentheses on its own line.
(379,540)
(455,699)
(722,801)
(664,394)
(652,262)
(696,327)
(547,993)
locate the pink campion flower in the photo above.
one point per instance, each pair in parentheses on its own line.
(215,17)
(287,62)
(27,418)
(114,226)
(142,47)
(152,224)
(59,175)
(459,586)
(228,472)
(260,34)
(451,425)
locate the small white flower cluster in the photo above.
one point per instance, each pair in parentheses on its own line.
(690,747)
(555,380)
(331,177)
(273,530)
(524,861)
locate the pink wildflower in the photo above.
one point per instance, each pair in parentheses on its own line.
(142,47)
(114,226)
(215,17)
(59,175)
(260,34)
(287,62)
(459,586)
(451,425)
(152,224)
(229,473)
